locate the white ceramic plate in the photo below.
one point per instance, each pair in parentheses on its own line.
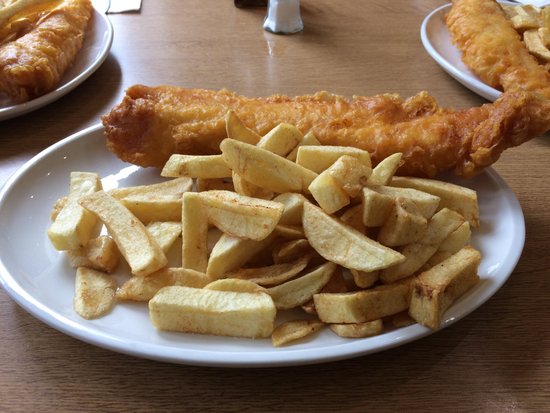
(39,279)
(437,42)
(95,48)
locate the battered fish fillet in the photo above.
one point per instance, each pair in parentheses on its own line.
(151,123)
(493,49)
(34,63)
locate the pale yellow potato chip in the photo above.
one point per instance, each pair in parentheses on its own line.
(364,305)
(144,288)
(294,330)
(300,290)
(358,330)
(194,235)
(137,246)
(317,158)
(196,166)
(203,311)
(230,253)
(383,173)
(236,129)
(264,168)
(240,215)
(343,245)
(436,289)
(94,293)
(282,139)
(100,254)
(74,226)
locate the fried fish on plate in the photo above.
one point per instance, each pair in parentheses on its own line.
(38,44)
(151,123)
(493,49)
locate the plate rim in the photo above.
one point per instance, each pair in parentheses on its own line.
(9,112)
(469,80)
(356,348)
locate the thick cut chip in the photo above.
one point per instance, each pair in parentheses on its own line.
(281,140)
(435,290)
(525,17)
(240,215)
(309,139)
(458,198)
(224,313)
(358,330)
(272,274)
(535,45)
(383,173)
(165,233)
(376,207)
(427,203)
(299,291)
(363,305)
(194,234)
(234,284)
(172,187)
(457,239)
(319,158)
(196,166)
(155,202)
(237,130)
(328,193)
(74,226)
(404,225)
(100,253)
(144,288)
(58,206)
(243,187)
(94,293)
(230,253)
(336,284)
(294,330)
(160,208)
(350,173)
(294,205)
(137,246)
(343,245)
(264,168)
(440,226)
(364,279)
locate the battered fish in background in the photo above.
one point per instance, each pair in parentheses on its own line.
(151,123)
(39,41)
(493,49)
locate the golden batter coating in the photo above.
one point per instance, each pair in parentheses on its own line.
(34,63)
(493,49)
(151,123)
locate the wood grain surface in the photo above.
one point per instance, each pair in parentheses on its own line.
(496,360)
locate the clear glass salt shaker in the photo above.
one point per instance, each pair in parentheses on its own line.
(283,17)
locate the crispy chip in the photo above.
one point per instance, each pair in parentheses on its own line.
(94,293)
(294,330)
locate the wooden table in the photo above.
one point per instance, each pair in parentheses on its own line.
(496,359)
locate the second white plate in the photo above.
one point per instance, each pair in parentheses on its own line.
(38,277)
(437,42)
(94,51)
